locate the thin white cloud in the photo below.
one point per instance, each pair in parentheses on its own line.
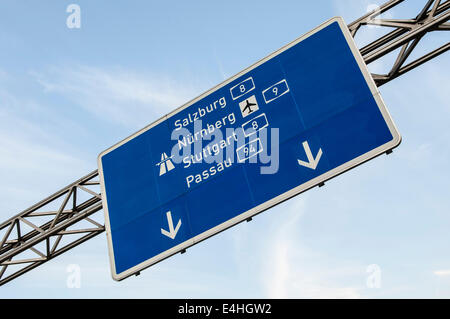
(124,97)
(442,273)
(3,75)
(32,152)
(220,66)
(437,81)
(292,270)
(18,153)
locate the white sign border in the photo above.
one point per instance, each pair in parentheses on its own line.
(274,201)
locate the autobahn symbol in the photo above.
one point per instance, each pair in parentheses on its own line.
(165,165)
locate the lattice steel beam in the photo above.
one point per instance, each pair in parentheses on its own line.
(406,34)
(49,228)
(65,221)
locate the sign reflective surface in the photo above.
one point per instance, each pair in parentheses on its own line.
(302,115)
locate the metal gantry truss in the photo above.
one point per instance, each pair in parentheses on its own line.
(41,233)
(405,34)
(58,223)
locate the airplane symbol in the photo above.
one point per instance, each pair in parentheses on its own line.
(246,106)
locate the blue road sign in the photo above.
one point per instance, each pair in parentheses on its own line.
(300,116)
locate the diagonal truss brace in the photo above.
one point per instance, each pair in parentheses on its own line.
(405,34)
(55,226)
(63,223)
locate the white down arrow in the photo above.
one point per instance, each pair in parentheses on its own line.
(312,162)
(172,232)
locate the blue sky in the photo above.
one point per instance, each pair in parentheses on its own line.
(67,94)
